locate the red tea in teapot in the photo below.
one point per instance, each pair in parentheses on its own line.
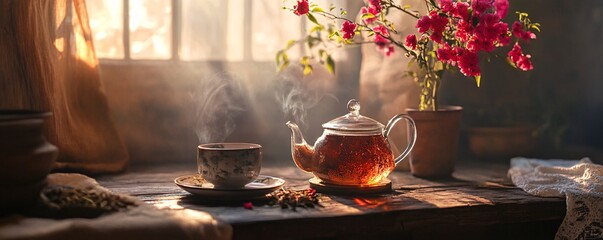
(349,160)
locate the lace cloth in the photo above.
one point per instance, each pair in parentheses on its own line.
(579,181)
(141,222)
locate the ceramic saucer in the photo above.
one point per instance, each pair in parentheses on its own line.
(195,184)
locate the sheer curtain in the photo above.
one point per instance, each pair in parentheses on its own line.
(49,64)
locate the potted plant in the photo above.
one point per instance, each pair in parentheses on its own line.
(452,35)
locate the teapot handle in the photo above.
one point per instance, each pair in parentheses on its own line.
(413,134)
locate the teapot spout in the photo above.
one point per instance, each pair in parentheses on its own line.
(301,152)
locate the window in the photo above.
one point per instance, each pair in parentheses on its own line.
(194,30)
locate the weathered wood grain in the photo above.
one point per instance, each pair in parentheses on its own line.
(476,203)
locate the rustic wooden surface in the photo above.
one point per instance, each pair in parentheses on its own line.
(477,203)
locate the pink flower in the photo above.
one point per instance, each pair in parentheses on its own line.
(348,28)
(437,22)
(381,30)
(383,44)
(515,53)
(489,19)
(488,31)
(381,41)
(478,44)
(503,34)
(446,5)
(373,11)
(502,7)
(461,10)
(376,4)
(517,30)
(524,63)
(527,35)
(389,50)
(248,205)
(436,37)
(301,8)
(434,21)
(411,41)
(468,63)
(464,30)
(423,24)
(445,54)
(480,6)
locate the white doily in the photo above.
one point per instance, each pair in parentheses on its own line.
(580,182)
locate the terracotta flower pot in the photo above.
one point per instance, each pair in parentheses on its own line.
(501,143)
(436,148)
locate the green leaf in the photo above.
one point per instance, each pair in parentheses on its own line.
(334,35)
(536,26)
(290,44)
(511,63)
(321,52)
(317,9)
(283,62)
(344,13)
(317,28)
(278,57)
(438,66)
(312,18)
(406,6)
(367,16)
(478,79)
(307,69)
(305,60)
(331,7)
(330,64)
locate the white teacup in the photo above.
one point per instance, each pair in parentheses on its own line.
(229,165)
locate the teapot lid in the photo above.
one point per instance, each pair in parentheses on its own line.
(354,122)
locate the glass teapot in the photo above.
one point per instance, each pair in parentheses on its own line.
(353,149)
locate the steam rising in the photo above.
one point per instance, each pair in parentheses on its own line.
(219,100)
(297,93)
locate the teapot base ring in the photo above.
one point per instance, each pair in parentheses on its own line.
(384,186)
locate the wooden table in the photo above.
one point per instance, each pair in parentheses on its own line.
(475,204)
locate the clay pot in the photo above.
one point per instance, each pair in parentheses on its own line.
(26,157)
(437,142)
(501,143)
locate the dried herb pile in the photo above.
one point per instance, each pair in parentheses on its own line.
(287,198)
(66,202)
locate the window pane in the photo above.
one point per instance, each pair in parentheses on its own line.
(272,27)
(150,29)
(212,30)
(106,22)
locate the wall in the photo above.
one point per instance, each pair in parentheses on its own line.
(155,112)
(151,104)
(564,88)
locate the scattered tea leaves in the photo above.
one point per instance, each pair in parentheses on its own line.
(287,198)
